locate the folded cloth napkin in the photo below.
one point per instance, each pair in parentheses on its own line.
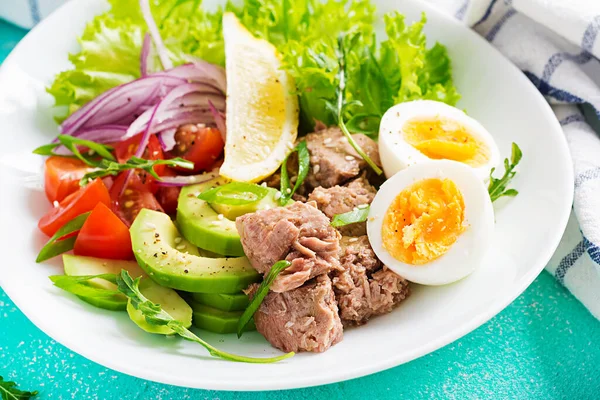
(27,13)
(556,45)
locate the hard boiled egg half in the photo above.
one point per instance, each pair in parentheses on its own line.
(432,222)
(423,130)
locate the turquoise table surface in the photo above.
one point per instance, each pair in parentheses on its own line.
(545,345)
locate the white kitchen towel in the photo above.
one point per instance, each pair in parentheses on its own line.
(27,13)
(555,43)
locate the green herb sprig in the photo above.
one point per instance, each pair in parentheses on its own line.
(287,191)
(79,285)
(498,187)
(351,217)
(72,144)
(234,194)
(107,167)
(57,245)
(260,295)
(155,315)
(9,391)
(340,106)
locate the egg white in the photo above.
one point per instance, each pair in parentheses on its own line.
(467,253)
(397,154)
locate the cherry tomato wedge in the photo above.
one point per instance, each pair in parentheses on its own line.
(127,203)
(62,175)
(83,200)
(198,144)
(104,235)
(167,196)
(126,149)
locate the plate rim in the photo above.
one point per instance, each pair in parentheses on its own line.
(301,382)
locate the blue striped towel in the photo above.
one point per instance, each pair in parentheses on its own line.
(555,43)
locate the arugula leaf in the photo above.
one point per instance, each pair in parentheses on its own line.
(359,214)
(260,295)
(57,245)
(303,167)
(340,104)
(9,391)
(234,194)
(107,167)
(498,187)
(72,143)
(79,285)
(154,314)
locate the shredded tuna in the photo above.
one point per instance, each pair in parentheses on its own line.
(365,288)
(299,233)
(342,199)
(302,319)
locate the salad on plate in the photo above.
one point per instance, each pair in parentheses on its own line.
(269,166)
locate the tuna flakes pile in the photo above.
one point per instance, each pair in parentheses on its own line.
(335,279)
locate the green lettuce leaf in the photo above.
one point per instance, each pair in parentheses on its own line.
(306,32)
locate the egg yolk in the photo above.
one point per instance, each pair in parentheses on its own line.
(423,221)
(443,138)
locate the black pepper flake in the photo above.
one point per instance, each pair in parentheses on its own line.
(156,235)
(155,254)
(164,252)
(186,271)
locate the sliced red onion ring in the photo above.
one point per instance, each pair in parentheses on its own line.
(202,71)
(131,92)
(167,139)
(219,120)
(145,54)
(161,50)
(103,134)
(181,180)
(172,104)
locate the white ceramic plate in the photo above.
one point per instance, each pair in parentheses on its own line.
(528,228)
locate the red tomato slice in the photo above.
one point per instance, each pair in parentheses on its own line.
(167,196)
(61,177)
(127,203)
(104,235)
(200,145)
(79,202)
(126,149)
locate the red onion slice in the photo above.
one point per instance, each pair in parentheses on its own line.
(171,105)
(181,180)
(117,97)
(219,120)
(145,54)
(161,50)
(167,139)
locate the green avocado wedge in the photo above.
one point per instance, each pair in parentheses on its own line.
(218,321)
(169,301)
(155,241)
(212,226)
(221,301)
(80,266)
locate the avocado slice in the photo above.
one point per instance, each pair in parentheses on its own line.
(80,265)
(218,321)
(155,241)
(200,223)
(222,301)
(170,302)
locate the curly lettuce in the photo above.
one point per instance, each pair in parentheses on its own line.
(306,32)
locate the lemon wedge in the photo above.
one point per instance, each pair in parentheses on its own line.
(262,109)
